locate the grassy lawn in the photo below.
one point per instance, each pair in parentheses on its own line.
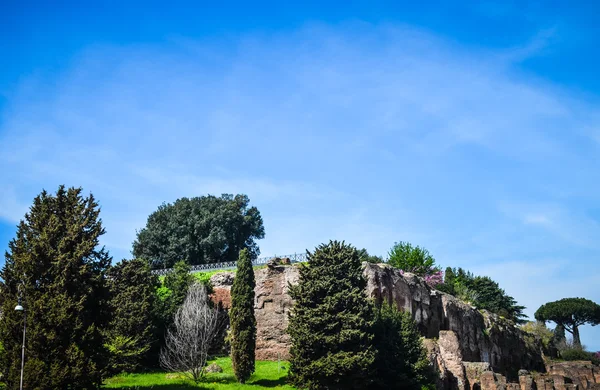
(266,376)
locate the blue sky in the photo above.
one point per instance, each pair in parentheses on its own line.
(472,130)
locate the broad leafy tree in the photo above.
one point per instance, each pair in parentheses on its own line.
(200,230)
(241,317)
(409,258)
(57,264)
(132,328)
(570,314)
(401,361)
(331,322)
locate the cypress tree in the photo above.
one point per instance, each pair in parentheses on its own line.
(241,316)
(331,323)
(56,263)
(132,327)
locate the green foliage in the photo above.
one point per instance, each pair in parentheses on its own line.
(126,352)
(576,353)
(449,281)
(56,262)
(169,297)
(401,361)
(241,317)
(365,256)
(540,332)
(132,328)
(177,282)
(408,258)
(200,230)
(559,339)
(466,294)
(483,292)
(331,322)
(570,313)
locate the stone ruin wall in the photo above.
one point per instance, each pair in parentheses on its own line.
(471,349)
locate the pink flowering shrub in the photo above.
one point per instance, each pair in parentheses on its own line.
(433,277)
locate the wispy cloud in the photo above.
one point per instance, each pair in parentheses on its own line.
(369,133)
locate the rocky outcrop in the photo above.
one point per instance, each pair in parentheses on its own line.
(481,336)
(470,348)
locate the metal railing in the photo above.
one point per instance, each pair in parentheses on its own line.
(295,258)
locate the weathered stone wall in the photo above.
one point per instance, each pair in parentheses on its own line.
(271,307)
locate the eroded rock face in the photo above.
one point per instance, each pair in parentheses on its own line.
(482,336)
(221,284)
(271,309)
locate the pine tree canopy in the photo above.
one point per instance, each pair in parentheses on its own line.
(56,262)
(331,321)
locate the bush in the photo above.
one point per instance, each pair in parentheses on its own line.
(573,353)
(540,332)
(401,361)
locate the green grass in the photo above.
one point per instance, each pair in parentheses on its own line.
(268,375)
(204,277)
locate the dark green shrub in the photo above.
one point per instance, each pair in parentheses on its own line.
(132,328)
(574,353)
(401,361)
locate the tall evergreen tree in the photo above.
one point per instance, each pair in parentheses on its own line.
(131,330)
(331,321)
(57,265)
(241,317)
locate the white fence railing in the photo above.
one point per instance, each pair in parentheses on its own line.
(295,258)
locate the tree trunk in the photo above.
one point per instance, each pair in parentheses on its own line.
(576,339)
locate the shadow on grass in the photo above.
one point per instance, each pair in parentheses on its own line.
(231,380)
(271,382)
(162,387)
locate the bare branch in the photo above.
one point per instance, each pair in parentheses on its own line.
(195,328)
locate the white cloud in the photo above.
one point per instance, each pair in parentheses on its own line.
(367,133)
(12,208)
